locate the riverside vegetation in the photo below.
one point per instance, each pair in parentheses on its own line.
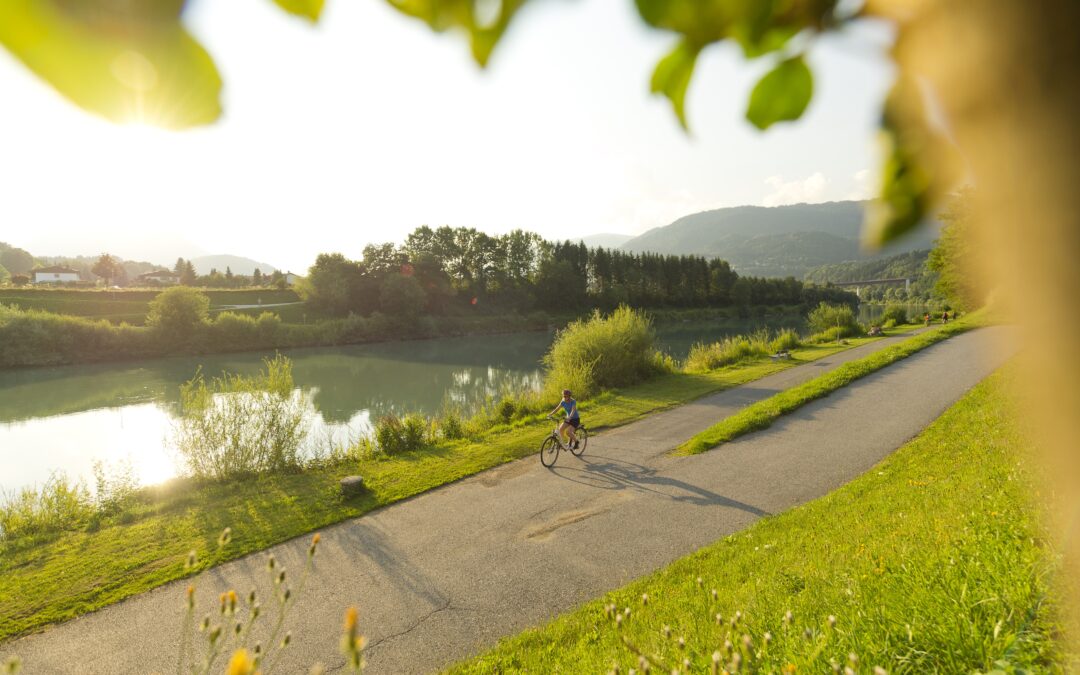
(403,457)
(441,282)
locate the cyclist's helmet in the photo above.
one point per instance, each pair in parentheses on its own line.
(566,392)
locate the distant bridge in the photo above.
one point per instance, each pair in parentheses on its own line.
(874,282)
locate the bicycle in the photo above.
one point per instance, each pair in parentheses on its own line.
(549,448)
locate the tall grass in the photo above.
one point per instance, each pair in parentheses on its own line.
(600,352)
(238,426)
(832,322)
(737,348)
(58,505)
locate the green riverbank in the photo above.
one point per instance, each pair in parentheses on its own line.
(934,561)
(50,579)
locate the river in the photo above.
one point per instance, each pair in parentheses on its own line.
(64,418)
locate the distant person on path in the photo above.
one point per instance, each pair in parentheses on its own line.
(573,419)
(926,319)
(945,317)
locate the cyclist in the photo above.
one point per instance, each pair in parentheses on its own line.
(572,421)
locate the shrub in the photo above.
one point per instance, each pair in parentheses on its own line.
(238,425)
(506,410)
(177,313)
(786,340)
(395,434)
(727,351)
(451,426)
(414,431)
(603,351)
(837,318)
(895,313)
(57,506)
(233,330)
(116,487)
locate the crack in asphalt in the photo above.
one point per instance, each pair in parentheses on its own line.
(416,624)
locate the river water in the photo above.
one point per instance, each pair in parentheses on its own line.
(65,418)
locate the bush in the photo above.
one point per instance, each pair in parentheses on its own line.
(895,313)
(506,410)
(236,425)
(786,340)
(57,506)
(394,435)
(451,426)
(837,318)
(178,312)
(116,486)
(603,351)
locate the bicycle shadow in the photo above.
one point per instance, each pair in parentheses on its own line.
(606,473)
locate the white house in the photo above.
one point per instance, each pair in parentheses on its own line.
(54,275)
(291,278)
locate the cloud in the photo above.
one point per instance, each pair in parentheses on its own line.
(809,190)
(863,189)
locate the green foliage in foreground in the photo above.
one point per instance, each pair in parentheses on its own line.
(762,414)
(52,578)
(931,562)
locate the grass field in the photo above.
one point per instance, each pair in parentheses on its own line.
(131,306)
(932,562)
(57,578)
(762,414)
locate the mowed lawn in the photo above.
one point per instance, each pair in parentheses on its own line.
(932,562)
(131,306)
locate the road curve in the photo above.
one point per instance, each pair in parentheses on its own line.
(444,575)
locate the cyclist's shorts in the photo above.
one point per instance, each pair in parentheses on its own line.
(576,422)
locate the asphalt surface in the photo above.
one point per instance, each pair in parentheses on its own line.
(444,575)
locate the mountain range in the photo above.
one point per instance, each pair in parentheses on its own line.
(776,241)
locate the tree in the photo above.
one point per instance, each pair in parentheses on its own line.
(188,275)
(954,257)
(15,260)
(401,296)
(257,277)
(179,267)
(333,284)
(107,267)
(4,274)
(177,313)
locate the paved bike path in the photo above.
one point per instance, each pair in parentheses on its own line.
(442,576)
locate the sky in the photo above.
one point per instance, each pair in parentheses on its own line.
(368,125)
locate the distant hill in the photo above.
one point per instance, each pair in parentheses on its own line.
(775,241)
(606,240)
(910,265)
(238,264)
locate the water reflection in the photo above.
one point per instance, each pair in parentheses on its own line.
(65,417)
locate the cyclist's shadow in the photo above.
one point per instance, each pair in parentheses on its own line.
(607,473)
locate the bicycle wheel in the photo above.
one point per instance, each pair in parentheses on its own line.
(549,451)
(583,439)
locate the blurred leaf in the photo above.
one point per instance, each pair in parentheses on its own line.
(484,20)
(699,22)
(132,62)
(782,94)
(672,76)
(309,9)
(904,199)
(920,166)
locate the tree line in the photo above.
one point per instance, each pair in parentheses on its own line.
(440,270)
